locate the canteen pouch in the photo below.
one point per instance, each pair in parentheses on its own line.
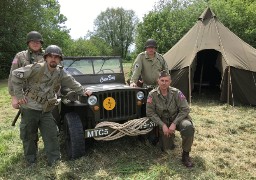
(50,104)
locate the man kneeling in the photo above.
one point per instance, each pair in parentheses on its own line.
(168,107)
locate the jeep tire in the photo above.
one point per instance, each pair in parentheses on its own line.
(74,136)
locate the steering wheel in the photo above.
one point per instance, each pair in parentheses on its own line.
(103,71)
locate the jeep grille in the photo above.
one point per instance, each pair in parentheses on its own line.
(125,106)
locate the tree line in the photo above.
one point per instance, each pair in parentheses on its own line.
(115,29)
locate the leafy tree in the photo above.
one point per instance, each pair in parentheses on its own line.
(52,24)
(18,17)
(116,27)
(171,19)
(238,16)
(91,47)
(168,22)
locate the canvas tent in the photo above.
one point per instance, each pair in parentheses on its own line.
(211,54)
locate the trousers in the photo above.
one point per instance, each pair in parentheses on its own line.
(186,129)
(31,122)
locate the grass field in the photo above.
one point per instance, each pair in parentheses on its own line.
(224,148)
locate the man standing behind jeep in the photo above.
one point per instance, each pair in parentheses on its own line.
(34,53)
(146,69)
(38,99)
(148,65)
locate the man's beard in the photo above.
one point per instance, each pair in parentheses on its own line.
(53,64)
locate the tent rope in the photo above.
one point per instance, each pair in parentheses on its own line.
(131,128)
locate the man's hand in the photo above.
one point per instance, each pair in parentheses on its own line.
(172,128)
(166,130)
(133,84)
(15,103)
(22,101)
(87,92)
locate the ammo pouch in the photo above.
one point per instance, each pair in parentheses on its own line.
(50,104)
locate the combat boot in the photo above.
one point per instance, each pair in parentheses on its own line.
(186,160)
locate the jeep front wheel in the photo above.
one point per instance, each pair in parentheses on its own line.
(74,136)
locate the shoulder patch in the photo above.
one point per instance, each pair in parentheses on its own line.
(149,100)
(15,61)
(20,74)
(181,96)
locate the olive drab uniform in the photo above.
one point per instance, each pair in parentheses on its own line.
(40,90)
(22,59)
(171,109)
(148,68)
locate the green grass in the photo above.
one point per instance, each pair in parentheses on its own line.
(224,148)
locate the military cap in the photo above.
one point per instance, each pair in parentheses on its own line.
(164,74)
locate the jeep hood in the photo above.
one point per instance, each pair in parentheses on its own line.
(106,87)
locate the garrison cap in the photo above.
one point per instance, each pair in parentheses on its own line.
(164,74)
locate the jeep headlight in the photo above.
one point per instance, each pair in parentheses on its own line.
(140,95)
(92,100)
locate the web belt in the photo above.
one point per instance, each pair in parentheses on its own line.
(36,98)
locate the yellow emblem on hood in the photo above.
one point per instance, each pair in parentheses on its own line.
(109,103)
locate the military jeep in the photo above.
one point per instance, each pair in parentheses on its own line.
(113,110)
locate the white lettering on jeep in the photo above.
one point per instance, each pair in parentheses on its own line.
(108,78)
(97,132)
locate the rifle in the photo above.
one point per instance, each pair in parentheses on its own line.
(16,118)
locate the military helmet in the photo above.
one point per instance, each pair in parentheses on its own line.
(53,50)
(34,36)
(150,43)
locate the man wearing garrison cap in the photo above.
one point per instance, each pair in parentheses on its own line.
(168,107)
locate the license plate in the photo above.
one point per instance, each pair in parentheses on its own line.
(97,132)
(100,132)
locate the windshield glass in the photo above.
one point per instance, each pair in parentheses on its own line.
(92,66)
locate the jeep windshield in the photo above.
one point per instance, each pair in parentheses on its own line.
(92,65)
(95,69)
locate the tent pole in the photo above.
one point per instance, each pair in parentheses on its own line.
(228,84)
(201,77)
(189,84)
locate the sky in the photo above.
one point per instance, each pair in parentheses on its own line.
(82,13)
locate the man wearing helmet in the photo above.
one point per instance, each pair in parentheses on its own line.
(147,66)
(38,99)
(34,53)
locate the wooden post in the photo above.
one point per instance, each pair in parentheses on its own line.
(201,77)
(189,84)
(228,84)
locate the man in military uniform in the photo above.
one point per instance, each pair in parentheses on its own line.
(147,66)
(37,101)
(168,107)
(34,53)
